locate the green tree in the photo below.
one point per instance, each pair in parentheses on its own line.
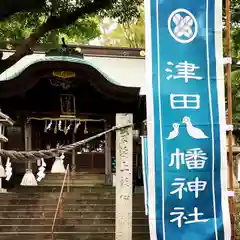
(19,26)
(25,23)
(235,30)
(132,34)
(127,34)
(235,49)
(235,77)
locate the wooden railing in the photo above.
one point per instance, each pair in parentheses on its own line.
(66,179)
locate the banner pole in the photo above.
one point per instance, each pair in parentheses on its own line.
(232,204)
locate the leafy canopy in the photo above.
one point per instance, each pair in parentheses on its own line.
(127,34)
(235,47)
(20,25)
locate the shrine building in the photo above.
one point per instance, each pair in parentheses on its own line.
(67,95)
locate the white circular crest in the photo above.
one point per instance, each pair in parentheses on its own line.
(185,27)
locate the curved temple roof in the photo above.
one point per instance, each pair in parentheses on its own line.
(23,71)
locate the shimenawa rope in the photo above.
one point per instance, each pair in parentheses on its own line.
(46,154)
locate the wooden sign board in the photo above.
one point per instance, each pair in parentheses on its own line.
(68,106)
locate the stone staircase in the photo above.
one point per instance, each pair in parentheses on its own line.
(76,180)
(88,214)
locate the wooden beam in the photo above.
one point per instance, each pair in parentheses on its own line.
(124,178)
(108,157)
(232,205)
(73,155)
(87,50)
(28,140)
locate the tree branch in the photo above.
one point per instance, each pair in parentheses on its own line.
(9,7)
(55,22)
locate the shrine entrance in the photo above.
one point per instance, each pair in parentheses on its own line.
(63,99)
(50,132)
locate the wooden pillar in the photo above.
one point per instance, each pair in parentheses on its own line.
(238,170)
(28,178)
(124,162)
(28,141)
(2,170)
(7,172)
(1,133)
(73,156)
(108,158)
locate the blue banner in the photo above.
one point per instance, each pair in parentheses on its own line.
(145,170)
(187,166)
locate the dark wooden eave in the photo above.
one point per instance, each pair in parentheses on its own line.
(35,72)
(96,51)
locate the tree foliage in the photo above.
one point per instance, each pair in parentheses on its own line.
(30,22)
(235,76)
(131,32)
(235,47)
(19,26)
(127,34)
(9,7)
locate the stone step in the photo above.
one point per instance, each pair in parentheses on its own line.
(88,214)
(65,214)
(67,236)
(39,202)
(97,182)
(75,185)
(75,180)
(67,197)
(54,194)
(74,193)
(60,176)
(66,207)
(83,189)
(11,195)
(46,190)
(101,228)
(73,221)
(80,176)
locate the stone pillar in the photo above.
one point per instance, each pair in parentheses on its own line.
(124,165)
(108,158)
